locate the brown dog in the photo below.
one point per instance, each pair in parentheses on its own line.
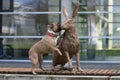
(69,43)
(45,45)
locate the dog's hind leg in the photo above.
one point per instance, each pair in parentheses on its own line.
(40,59)
(34,60)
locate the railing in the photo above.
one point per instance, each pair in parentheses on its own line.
(87,12)
(80,37)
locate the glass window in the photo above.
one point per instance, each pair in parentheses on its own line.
(6,4)
(97,24)
(26,25)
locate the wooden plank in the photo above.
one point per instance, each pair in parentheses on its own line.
(94,72)
(104,71)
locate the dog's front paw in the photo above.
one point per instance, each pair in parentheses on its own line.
(60,54)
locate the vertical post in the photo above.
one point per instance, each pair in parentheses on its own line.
(92,30)
(110,25)
(101,23)
(59,11)
(1,45)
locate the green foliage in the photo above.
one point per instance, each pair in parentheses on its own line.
(20,46)
(109,52)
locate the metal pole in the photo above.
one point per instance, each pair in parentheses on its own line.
(1,45)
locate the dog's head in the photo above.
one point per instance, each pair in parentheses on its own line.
(55,27)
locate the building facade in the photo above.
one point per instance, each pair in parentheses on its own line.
(23,22)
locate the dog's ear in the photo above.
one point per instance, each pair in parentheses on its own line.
(59,26)
(50,25)
(56,23)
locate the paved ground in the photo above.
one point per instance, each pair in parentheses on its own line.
(84,65)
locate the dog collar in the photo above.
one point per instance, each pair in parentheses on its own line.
(51,33)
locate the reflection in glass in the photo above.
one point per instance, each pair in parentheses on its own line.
(6,4)
(35,25)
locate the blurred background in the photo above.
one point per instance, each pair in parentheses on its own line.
(23,23)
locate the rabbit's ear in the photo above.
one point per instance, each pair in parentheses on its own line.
(65,12)
(75,9)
